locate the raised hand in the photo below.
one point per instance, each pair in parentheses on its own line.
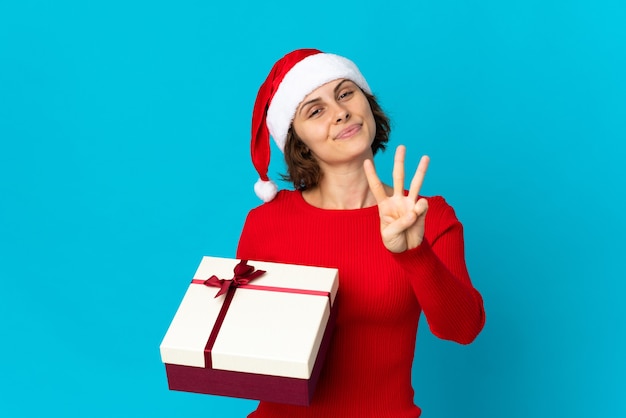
(401,217)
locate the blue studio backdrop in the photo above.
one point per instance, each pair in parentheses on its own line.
(124,158)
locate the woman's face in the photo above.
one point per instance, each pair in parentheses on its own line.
(336,123)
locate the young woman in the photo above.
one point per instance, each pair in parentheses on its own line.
(398,253)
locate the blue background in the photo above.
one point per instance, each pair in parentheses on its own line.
(124,130)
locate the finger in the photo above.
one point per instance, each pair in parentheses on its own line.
(421,207)
(398,171)
(396,229)
(418,178)
(376,186)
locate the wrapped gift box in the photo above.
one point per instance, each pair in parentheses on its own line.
(265,339)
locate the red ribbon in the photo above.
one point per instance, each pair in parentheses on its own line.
(244,274)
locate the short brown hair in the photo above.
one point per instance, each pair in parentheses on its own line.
(302,169)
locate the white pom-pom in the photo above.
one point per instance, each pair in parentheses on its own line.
(266,190)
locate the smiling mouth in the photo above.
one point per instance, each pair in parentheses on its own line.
(349,131)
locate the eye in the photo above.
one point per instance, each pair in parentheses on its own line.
(345,94)
(314,111)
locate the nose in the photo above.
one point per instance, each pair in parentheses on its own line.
(342,114)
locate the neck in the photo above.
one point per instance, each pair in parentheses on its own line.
(341,188)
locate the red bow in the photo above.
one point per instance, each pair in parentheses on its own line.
(243,275)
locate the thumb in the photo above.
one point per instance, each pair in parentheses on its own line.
(398,226)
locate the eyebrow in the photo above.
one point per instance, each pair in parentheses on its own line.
(335,90)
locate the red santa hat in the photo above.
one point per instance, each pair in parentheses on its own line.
(291,78)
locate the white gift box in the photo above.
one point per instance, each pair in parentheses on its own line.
(264,340)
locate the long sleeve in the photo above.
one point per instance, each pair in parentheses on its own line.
(367,373)
(452,306)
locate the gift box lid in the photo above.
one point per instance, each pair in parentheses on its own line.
(276,330)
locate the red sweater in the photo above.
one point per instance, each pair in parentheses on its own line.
(381,294)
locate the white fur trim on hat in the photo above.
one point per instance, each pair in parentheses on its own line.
(265,190)
(304,77)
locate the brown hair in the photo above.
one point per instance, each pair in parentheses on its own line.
(302,168)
